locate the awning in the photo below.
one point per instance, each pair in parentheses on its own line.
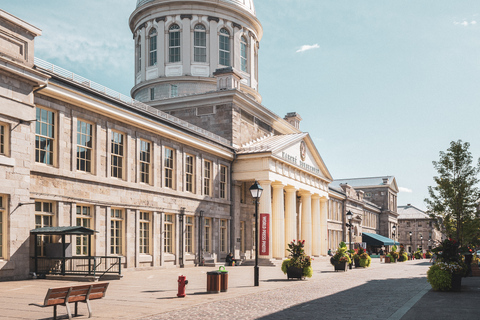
(373,239)
(73,230)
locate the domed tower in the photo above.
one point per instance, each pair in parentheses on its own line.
(179,44)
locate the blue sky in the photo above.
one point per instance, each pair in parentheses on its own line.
(382,86)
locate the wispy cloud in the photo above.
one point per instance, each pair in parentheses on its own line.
(307,47)
(406,190)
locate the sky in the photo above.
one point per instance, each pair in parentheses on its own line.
(382,86)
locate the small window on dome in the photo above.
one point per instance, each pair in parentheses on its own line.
(139,55)
(224,47)
(200,43)
(243,54)
(174,43)
(152,47)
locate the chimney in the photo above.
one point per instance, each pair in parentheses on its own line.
(294,119)
(227,79)
(385,180)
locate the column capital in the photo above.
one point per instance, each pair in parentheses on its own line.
(277,185)
(323,199)
(305,193)
(315,196)
(290,189)
(264,182)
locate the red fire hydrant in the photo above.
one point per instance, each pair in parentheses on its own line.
(182,282)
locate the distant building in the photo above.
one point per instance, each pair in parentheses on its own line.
(417,229)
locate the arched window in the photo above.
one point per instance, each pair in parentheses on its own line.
(174,43)
(152,47)
(224,47)
(243,54)
(200,43)
(139,55)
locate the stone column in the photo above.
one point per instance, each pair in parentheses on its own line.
(316,234)
(265,207)
(290,216)
(278,221)
(323,226)
(307,221)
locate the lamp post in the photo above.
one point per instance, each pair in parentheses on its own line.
(410,241)
(256,191)
(393,233)
(349,226)
(421,242)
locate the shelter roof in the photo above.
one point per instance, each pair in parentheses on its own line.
(73,230)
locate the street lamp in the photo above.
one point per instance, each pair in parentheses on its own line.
(349,226)
(421,242)
(410,241)
(393,233)
(256,191)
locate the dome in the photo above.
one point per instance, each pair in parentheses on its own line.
(245,4)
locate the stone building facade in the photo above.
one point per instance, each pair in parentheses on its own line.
(417,230)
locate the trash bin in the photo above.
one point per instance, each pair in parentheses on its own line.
(223,279)
(213,281)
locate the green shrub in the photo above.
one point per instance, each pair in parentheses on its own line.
(285,265)
(308,272)
(439,279)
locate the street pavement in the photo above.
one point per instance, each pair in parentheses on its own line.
(383,291)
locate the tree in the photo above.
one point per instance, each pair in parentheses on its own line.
(454,200)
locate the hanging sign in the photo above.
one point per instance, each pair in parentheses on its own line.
(264,234)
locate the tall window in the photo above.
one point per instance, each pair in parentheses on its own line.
(189,173)
(200,43)
(169,167)
(43,218)
(117,154)
(3,223)
(242,236)
(84,146)
(145,161)
(243,54)
(189,234)
(44,136)
(116,231)
(2,139)
(174,43)
(145,232)
(207,178)
(152,46)
(223,236)
(168,240)
(84,219)
(173,91)
(207,235)
(139,54)
(224,47)
(223,182)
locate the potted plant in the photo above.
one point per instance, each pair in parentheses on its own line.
(393,254)
(402,255)
(299,265)
(365,260)
(341,258)
(428,255)
(388,258)
(418,254)
(446,274)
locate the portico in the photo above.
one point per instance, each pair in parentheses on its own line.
(295,181)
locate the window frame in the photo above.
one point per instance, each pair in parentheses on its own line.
(174,44)
(84,238)
(4,139)
(42,213)
(190,234)
(152,47)
(119,222)
(224,48)
(3,227)
(207,177)
(199,36)
(89,161)
(243,54)
(145,167)
(223,235)
(190,174)
(223,181)
(207,235)
(169,234)
(169,168)
(145,232)
(39,135)
(139,54)
(120,169)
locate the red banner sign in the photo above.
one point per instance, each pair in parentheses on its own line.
(264,234)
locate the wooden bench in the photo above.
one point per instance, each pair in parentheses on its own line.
(64,296)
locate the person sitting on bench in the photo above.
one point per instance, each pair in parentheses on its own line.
(229,261)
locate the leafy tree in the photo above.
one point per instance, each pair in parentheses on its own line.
(453,201)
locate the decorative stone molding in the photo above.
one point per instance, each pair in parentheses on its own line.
(186,16)
(236,25)
(210,18)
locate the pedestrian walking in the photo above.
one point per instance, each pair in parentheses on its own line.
(382,254)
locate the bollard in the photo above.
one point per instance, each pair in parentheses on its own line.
(182,282)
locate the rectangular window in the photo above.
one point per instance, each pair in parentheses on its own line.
(3,130)
(3,225)
(117,158)
(152,93)
(173,91)
(189,173)
(207,234)
(223,182)
(242,236)
(44,136)
(145,232)
(207,178)
(84,146)
(116,231)
(168,240)
(189,227)
(174,44)
(223,236)
(43,218)
(169,167)
(153,50)
(145,161)
(84,219)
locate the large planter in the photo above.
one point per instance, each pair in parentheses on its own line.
(387,259)
(295,273)
(340,266)
(357,263)
(456,282)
